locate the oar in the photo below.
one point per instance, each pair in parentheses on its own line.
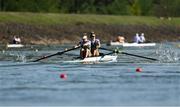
(130,54)
(58,53)
(102,54)
(139,56)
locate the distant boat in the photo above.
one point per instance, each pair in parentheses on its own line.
(131,44)
(14,46)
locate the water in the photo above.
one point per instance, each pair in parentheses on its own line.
(102,84)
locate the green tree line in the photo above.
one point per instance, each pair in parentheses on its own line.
(165,8)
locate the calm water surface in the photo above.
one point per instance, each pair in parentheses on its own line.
(118,83)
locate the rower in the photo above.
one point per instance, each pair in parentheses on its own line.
(16,40)
(142,38)
(120,39)
(95,44)
(137,38)
(85,45)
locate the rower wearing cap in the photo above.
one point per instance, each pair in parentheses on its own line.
(95,44)
(85,45)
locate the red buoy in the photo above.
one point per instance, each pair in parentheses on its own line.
(138,69)
(63,76)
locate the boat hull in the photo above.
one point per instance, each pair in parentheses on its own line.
(131,44)
(106,58)
(15,45)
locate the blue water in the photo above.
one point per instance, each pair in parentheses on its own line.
(102,84)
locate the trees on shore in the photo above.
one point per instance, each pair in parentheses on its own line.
(165,8)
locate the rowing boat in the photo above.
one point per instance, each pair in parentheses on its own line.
(15,45)
(106,58)
(131,44)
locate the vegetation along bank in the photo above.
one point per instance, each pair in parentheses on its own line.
(54,28)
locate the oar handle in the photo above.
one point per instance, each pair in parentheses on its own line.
(113,51)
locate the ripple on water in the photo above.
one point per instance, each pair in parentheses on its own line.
(25,83)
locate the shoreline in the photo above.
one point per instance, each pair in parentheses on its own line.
(71,34)
(54,28)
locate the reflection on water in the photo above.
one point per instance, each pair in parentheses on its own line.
(104,84)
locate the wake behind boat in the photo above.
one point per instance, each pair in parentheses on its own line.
(105,58)
(131,44)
